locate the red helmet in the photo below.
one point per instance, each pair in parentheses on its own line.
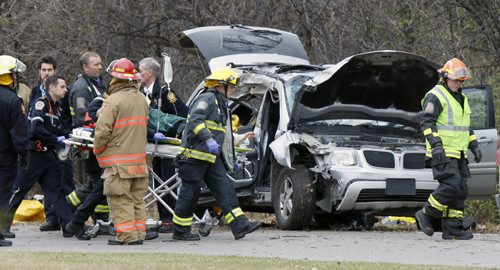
(123,69)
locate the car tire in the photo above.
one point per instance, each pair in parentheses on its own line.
(293,200)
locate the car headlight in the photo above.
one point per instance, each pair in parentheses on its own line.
(343,158)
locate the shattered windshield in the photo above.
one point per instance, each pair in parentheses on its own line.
(292,86)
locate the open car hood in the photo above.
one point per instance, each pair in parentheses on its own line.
(244,45)
(379,85)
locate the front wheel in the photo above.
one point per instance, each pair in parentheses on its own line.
(293,198)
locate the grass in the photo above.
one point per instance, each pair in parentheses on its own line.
(146,261)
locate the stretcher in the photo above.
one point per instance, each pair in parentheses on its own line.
(81,141)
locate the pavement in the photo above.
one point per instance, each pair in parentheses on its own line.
(322,245)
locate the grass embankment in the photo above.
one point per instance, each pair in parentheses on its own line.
(146,261)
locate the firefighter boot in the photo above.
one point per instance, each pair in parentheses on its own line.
(6,223)
(184,233)
(77,230)
(240,226)
(3,242)
(453,230)
(425,218)
(50,225)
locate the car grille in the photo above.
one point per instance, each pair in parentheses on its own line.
(414,161)
(386,159)
(378,195)
(379,159)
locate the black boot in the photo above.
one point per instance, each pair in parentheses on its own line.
(3,242)
(150,235)
(424,222)
(77,231)
(6,224)
(183,233)
(453,230)
(240,226)
(50,225)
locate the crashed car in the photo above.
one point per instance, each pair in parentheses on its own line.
(332,141)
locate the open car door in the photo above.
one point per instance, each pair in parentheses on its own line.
(483,175)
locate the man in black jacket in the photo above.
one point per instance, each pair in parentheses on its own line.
(171,104)
(86,88)
(47,66)
(13,135)
(44,168)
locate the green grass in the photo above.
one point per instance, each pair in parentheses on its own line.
(146,261)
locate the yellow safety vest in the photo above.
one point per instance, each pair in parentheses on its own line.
(453,123)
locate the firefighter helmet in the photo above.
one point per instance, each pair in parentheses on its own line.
(454,69)
(8,65)
(123,69)
(222,76)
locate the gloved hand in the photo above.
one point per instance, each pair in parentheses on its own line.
(438,153)
(237,166)
(213,146)
(60,139)
(24,160)
(477,154)
(158,136)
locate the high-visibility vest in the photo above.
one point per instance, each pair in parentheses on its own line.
(453,123)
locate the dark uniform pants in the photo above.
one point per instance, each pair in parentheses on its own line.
(44,168)
(67,184)
(164,168)
(192,173)
(452,190)
(90,194)
(8,173)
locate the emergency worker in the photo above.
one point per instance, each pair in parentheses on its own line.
(173,105)
(44,166)
(86,88)
(120,147)
(446,127)
(47,66)
(13,135)
(206,154)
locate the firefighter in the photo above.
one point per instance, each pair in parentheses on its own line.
(44,168)
(13,135)
(206,154)
(446,127)
(120,148)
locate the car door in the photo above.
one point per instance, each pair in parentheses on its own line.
(483,175)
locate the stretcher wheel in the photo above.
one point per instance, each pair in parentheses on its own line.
(205,230)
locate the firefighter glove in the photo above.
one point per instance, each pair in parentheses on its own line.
(477,154)
(438,153)
(213,146)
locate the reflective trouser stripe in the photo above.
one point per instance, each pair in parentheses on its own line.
(182,221)
(448,153)
(101,208)
(236,212)
(452,213)
(140,225)
(125,227)
(435,204)
(75,201)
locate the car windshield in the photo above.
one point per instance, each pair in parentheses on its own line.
(292,86)
(359,125)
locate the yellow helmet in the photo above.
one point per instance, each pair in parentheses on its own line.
(222,76)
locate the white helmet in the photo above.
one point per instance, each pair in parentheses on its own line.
(9,64)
